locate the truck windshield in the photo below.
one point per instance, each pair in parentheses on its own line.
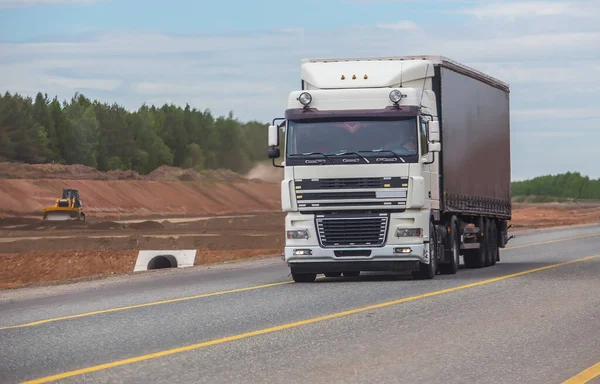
(369,137)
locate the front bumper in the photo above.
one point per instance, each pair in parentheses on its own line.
(321,260)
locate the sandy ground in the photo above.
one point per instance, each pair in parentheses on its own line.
(535,216)
(33,251)
(224,216)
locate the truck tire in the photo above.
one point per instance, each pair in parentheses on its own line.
(351,273)
(304,277)
(451,267)
(333,274)
(428,271)
(494,248)
(476,258)
(489,242)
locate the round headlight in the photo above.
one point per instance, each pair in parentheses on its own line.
(395,96)
(305,98)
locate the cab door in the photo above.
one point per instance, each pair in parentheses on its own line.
(430,168)
(426,156)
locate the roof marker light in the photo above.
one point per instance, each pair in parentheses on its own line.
(366,77)
(343,77)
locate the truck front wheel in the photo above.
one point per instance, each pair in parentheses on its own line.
(304,277)
(451,267)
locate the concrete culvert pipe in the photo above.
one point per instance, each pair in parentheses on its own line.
(162,261)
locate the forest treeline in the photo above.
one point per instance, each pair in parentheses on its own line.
(570,185)
(107,136)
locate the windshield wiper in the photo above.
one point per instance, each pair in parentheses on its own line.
(344,152)
(387,151)
(313,153)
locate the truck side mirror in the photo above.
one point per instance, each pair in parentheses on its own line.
(434,131)
(435,147)
(274,153)
(273,136)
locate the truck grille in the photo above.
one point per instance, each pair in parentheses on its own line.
(352,183)
(352,231)
(336,195)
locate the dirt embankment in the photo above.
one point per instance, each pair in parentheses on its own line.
(81,172)
(135,197)
(536,216)
(26,189)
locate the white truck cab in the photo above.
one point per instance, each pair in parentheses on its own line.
(361,186)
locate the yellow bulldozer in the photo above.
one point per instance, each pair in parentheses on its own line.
(68,207)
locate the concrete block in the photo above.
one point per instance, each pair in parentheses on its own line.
(150,259)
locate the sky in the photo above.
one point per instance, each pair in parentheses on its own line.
(244,57)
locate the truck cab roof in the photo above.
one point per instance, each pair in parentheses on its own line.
(391,71)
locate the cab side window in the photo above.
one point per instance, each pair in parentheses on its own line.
(423,137)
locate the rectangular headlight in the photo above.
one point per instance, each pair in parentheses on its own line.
(297,234)
(302,252)
(409,232)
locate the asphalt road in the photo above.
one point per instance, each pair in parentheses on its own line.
(532,318)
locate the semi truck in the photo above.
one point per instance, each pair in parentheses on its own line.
(393,164)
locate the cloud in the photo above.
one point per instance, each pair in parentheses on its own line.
(133,43)
(403,25)
(534,73)
(195,87)
(399,1)
(532,9)
(218,68)
(558,112)
(531,46)
(566,134)
(85,84)
(268,63)
(5,4)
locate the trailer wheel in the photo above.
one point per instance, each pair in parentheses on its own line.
(304,277)
(351,273)
(476,258)
(333,274)
(451,267)
(428,271)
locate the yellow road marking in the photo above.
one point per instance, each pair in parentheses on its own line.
(294,325)
(39,322)
(585,376)
(144,305)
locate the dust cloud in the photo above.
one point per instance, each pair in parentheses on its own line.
(266,173)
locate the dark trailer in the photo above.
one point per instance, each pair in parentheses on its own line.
(474,115)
